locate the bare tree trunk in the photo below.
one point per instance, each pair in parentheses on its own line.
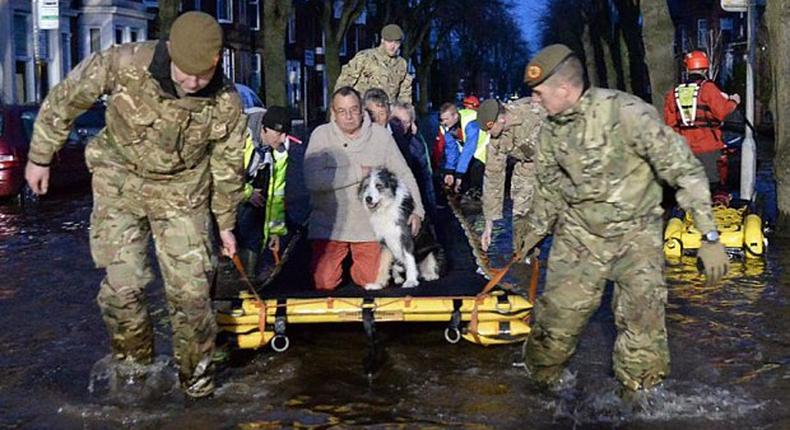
(658,33)
(777,13)
(614,69)
(335,31)
(423,71)
(168,11)
(272,38)
(589,55)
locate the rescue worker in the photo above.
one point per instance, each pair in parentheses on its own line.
(169,158)
(696,110)
(464,149)
(471,103)
(380,67)
(261,217)
(600,161)
(514,129)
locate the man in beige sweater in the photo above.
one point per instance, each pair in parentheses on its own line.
(338,157)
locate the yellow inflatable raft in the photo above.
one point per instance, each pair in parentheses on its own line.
(741,233)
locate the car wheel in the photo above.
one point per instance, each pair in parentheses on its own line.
(27,196)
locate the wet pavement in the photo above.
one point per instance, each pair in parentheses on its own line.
(730,348)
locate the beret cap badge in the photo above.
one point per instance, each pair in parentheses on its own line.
(534,72)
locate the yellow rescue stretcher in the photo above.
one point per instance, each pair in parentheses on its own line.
(496,317)
(741,233)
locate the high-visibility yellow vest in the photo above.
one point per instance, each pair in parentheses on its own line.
(274,222)
(467,116)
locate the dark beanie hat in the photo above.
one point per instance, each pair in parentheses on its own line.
(276,118)
(195,42)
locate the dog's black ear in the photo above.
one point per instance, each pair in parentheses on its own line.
(363,185)
(389,180)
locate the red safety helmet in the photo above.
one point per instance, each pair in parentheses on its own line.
(696,60)
(471,102)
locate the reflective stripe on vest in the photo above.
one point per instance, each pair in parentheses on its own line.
(275,201)
(692,112)
(467,116)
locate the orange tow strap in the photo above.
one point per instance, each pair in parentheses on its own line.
(261,304)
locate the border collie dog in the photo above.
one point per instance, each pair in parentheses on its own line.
(389,204)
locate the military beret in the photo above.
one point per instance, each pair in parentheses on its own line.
(391,32)
(276,118)
(487,113)
(195,42)
(545,63)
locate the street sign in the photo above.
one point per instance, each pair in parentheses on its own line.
(309,58)
(735,5)
(48,15)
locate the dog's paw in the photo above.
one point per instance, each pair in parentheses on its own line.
(373,286)
(430,276)
(411,283)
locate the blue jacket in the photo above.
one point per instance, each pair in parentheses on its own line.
(415,151)
(457,161)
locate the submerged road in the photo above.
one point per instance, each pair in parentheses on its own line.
(730,348)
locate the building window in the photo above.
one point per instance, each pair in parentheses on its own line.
(241,11)
(228,63)
(225,11)
(118,35)
(255,73)
(702,33)
(95,40)
(43,45)
(65,53)
(726,26)
(292,27)
(134,35)
(21,37)
(294,82)
(254,15)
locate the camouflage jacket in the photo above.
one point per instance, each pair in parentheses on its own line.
(599,164)
(518,141)
(193,145)
(373,68)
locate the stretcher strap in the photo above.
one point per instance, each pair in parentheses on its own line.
(471,236)
(473,320)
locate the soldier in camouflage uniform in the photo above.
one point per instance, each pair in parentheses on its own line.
(380,67)
(514,130)
(169,157)
(599,161)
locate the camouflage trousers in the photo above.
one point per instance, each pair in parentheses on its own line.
(121,227)
(522,188)
(574,286)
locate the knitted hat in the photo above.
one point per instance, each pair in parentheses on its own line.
(276,118)
(195,42)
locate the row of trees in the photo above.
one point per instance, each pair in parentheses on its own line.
(475,39)
(627,44)
(472,39)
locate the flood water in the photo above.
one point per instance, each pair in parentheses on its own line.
(730,357)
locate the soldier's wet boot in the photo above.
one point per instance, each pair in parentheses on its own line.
(201,383)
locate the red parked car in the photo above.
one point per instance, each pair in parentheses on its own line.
(68,165)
